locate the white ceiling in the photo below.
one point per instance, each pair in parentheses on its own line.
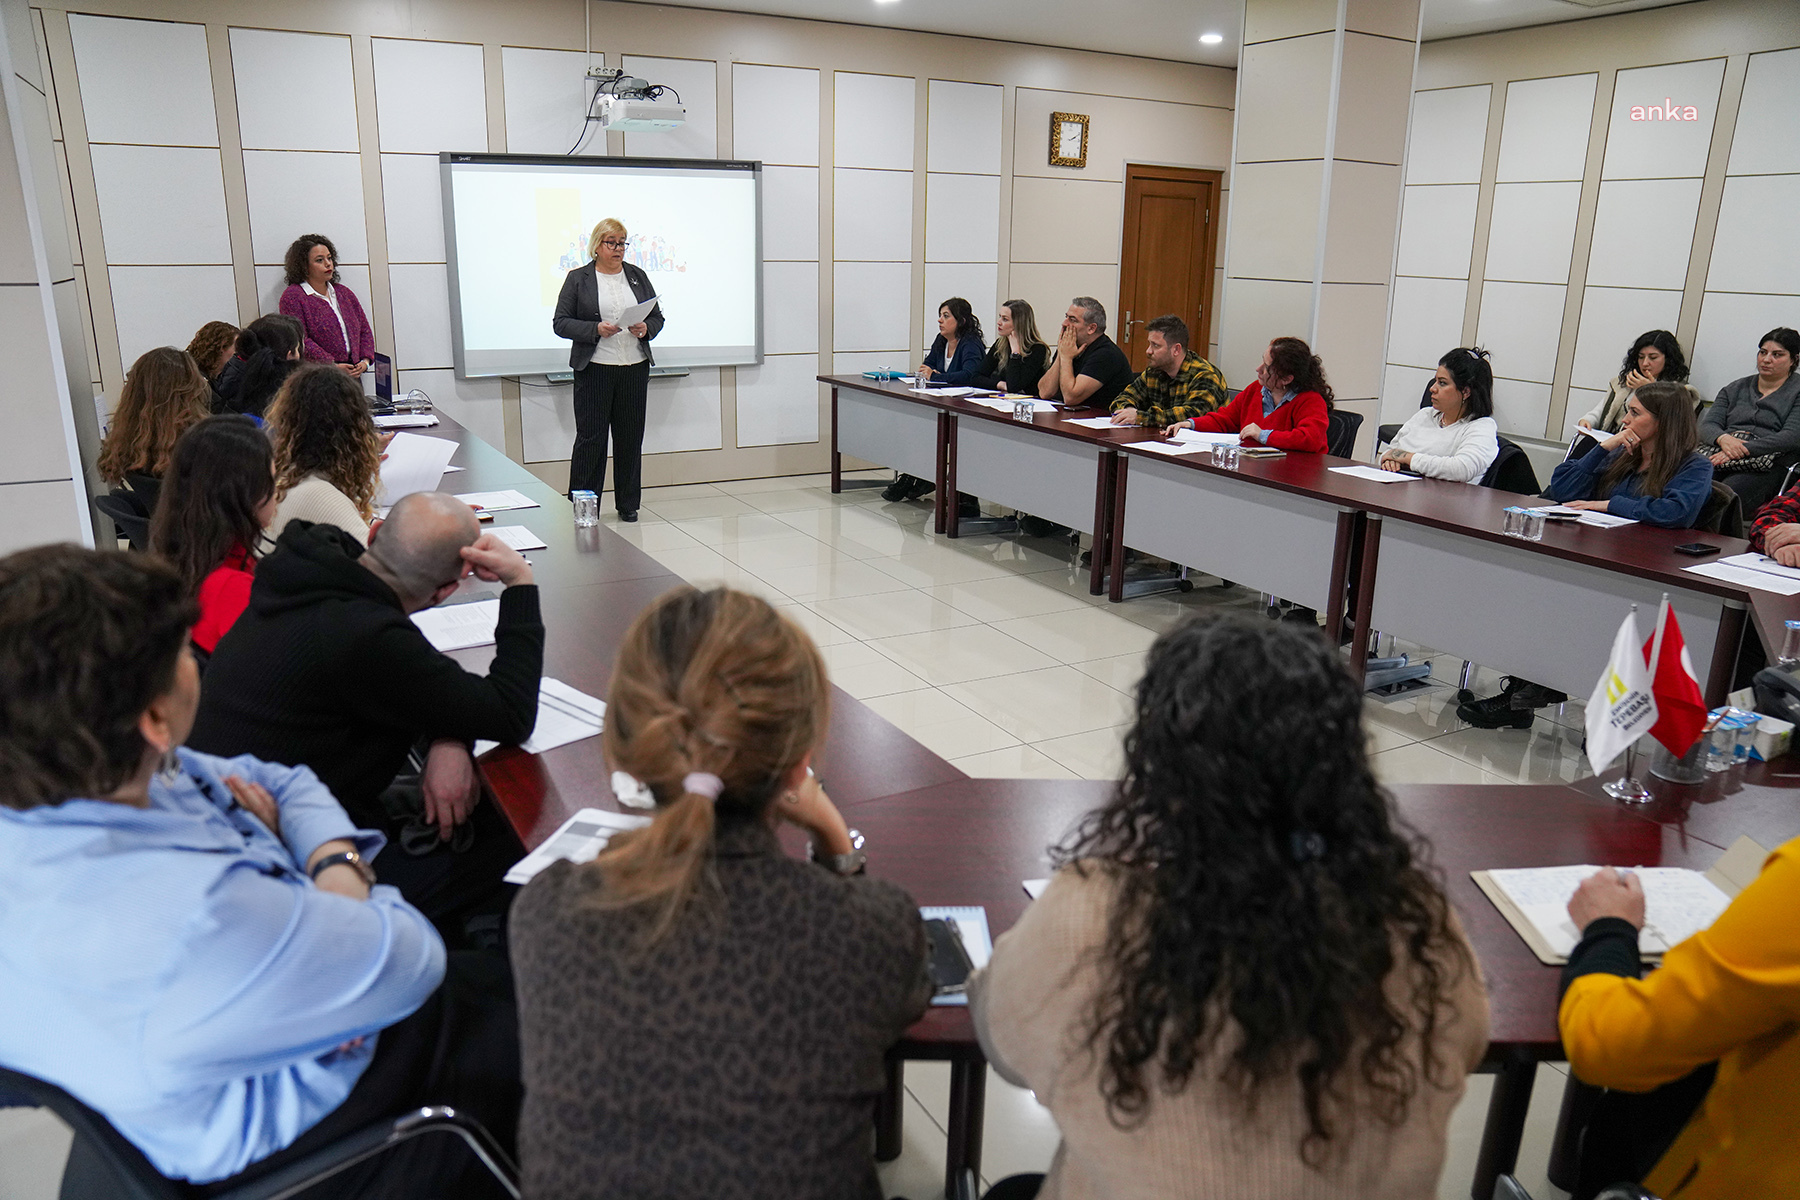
(1168,29)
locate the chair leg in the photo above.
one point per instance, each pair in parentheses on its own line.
(1468,673)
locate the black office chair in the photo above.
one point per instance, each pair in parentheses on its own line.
(1340,432)
(104,1166)
(1511,470)
(1723,512)
(132,521)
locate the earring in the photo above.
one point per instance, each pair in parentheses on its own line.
(169,766)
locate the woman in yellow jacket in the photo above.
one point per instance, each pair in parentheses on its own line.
(1729,994)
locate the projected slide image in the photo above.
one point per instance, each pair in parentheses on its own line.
(520,229)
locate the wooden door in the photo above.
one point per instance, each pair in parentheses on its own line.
(1168,252)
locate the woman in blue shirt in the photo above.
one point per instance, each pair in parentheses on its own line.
(191,945)
(955,354)
(1649,471)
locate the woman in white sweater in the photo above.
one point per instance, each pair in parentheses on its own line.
(327,452)
(1456,438)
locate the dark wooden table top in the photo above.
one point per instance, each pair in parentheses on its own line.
(1056,424)
(1760,800)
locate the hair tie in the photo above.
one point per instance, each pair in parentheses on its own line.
(1307,847)
(700,783)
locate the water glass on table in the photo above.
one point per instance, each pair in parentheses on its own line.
(587,508)
(1225,457)
(1023,410)
(1534,526)
(1513,521)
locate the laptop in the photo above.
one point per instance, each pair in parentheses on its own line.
(383,370)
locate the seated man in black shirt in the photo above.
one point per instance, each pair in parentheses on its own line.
(326,669)
(1090,370)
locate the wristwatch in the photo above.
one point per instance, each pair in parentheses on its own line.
(852,863)
(349,858)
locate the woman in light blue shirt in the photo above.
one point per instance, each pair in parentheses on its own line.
(188,944)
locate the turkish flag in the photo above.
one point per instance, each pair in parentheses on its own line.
(1681,712)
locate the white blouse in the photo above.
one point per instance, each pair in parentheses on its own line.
(1461,451)
(622,348)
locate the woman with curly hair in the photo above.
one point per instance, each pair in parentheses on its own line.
(1244,979)
(1288,407)
(336,328)
(327,452)
(164,393)
(212,347)
(1655,356)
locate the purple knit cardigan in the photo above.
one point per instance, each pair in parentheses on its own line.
(323,341)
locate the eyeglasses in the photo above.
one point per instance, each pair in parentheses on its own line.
(614,243)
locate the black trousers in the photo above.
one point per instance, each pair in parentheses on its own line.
(463,894)
(610,399)
(461,1048)
(1757,488)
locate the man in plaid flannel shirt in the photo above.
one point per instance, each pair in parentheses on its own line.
(1176,386)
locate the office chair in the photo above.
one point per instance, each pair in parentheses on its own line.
(1723,512)
(1341,427)
(132,521)
(1511,471)
(111,1168)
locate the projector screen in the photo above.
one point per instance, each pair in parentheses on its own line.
(515,225)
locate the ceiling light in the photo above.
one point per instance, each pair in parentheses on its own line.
(1211,39)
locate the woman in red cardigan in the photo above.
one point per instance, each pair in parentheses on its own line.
(1288,407)
(337,329)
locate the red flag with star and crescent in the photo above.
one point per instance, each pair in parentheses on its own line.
(1681,711)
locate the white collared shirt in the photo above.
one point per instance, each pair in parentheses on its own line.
(329,296)
(615,295)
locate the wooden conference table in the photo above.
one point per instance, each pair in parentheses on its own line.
(1426,557)
(949,839)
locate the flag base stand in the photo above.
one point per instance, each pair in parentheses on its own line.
(1626,788)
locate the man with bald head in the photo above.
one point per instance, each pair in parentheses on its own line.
(326,669)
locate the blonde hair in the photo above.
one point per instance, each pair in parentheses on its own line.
(607,225)
(715,682)
(1025,325)
(163,395)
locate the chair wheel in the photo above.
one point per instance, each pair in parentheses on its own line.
(1186,585)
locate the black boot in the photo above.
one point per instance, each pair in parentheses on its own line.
(897,490)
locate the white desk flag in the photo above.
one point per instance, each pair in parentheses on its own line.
(1622,706)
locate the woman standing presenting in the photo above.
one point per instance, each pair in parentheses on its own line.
(337,330)
(611,365)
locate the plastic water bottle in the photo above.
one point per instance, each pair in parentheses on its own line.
(1790,648)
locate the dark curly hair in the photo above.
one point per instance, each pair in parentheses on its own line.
(320,425)
(1293,358)
(1675,367)
(968,325)
(88,638)
(220,473)
(265,345)
(1263,883)
(298,252)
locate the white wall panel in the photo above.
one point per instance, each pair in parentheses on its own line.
(421,297)
(1544,135)
(1730,322)
(1521,408)
(1643,233)
(684,413)
(962,218)
(1663,149)
(122,63)
(430,96)
(1050,217)
(163,306)
(161,204)
(547,420)
(790,213)
(1767,138)
(790,308)
(1581,402)
(271,281)
(474,403)
(1437,230)
(1401,390)
(978,283)
(546,100)
(1611,320)
(412,197)
(778,401)
(1427,320)
(265,63)
(1449,135)
(34,430)
(874,121)
(1755,248)
(962,127)
(40,513)
(697,83)
(1520,326)
(292,192)
(1531,235)
(844,363)
(1048,288)
(1121,130)
(869,305)
(775,114)
(872,215)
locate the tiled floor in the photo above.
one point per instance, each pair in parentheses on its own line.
(991,652)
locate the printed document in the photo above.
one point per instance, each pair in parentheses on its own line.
(564,715)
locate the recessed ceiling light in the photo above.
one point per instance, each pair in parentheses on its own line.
(1211,39)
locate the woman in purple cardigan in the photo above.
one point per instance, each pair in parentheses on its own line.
(337,331)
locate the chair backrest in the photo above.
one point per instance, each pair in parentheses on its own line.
(126,516)
(1340,432)
(1508,1188)
(1723,512)
(1511,470)
(1787,481)
(102,1164)
(1580,445)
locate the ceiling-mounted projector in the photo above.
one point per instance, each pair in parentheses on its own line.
(632,114)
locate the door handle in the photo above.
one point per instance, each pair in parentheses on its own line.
(1126,340)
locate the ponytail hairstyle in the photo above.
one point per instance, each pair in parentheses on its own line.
(265,345)
(1306,373)
(715,683)
(1469,370)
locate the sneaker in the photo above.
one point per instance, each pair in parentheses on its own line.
(1530,695)
(920,489)
(897,490)
(1495,717)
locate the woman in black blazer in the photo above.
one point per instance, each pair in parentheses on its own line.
(611,365)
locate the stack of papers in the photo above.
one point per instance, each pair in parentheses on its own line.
(406,421)
(971,922)
(1169,448)
(1035,887)
(1373,474)
(413,463)
(459,626)
(1207,439)
(564,715)
(495,501)
(1093,422)
(947,393)
(1753,571)
(1562,512)
(580,839)
(519,537)
(1005,403)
